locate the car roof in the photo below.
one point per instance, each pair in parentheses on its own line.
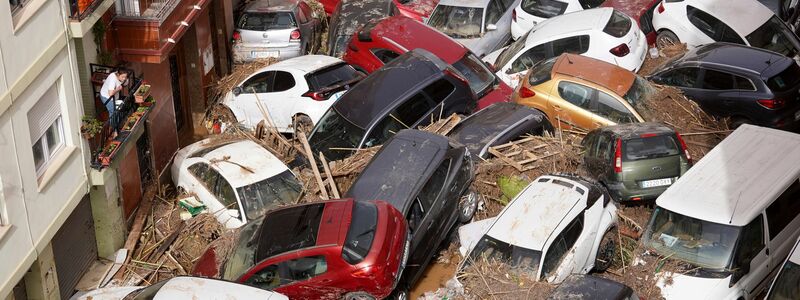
(573,22)
(400,168)
(576,287)
(411,34)
(738,178)
(731,13)
(596,71)
(481,128)
(378,93)
(241,162)
(756,60)
(533,216)
(299,227)
(186,287)
(465,3)
(305,63)
(635,130)
(271,5)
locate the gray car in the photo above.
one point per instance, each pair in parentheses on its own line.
(275,28)
(481,25)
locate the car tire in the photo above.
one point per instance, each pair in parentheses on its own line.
(468,205)
(739,121)
(606,250)
(302,123)
(666,38)
(399,293)
(358,296)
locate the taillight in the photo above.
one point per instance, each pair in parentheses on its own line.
(526,92)
(237,37)
(647,135)
(772,103)
(620,50)
(514,15)
(661,7)
(685,149)
(457,76)
(295,35)
(618,157)
(316,96)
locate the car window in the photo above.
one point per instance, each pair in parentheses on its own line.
(618,25)
(361,232)
(301,16)
(541,72)
(610,108)
(457,21)
(602,147)
(716,80)
(785,80)
(287,272)
(529,58)
(439,90)
(263,21)
(283,81)
(587,4)
(494,12)
(730,36)
(784,210)
(259,83)
(743,83)
(576,94)
(414,216)
(403,117)
(430,191)
(385,55)
(199,170)
(306,14)
(681,77)
(574,44)
(774,35)
(711,26)
(561,244)
(544,8)
(751,241)
(224,192)
(506,4)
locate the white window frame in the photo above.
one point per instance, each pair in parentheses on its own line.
(49,154)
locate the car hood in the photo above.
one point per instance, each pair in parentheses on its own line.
(691,287)
(109,293)
(420,8)
(470,234)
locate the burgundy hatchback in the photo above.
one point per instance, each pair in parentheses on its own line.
(380,42)
(324,250)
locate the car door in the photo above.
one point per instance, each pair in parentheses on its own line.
(308,23)
(752,251)
(559,261)
(219,200)
(431,230)
(246,104)
(296,275)
(281,99)
(609,110)
(572,105)
(711,27)
(494,39)
(419,220)
(718,93)
(687,79)
(783,223)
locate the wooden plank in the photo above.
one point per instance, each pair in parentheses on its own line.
(334,190)
(313,163)
(505,159)
(136,231)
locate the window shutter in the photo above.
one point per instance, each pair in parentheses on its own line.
(44,113)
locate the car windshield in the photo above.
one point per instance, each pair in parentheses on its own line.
(243,256)
(511,50)
(700,243)
(492,249)
(639,91)
(264,195)
(332,76)
(146,293)
(650,147)
(775,36)
(544,8)
(361,233)
(480,78)
(457,22)
(787,285)
(335,136)
(541,72)
(263,21)
(785,80)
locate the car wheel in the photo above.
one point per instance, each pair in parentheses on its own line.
(606,250)
(666,38)
(358,296)
(739,121)
(468,205)
(399,293)
(302,123)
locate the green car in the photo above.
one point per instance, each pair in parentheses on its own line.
(636,161)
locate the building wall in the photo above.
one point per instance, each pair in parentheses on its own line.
(36,54)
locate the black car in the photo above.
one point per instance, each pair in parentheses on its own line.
(749,85)
(586,287)
(425,178)
(349,16)
(497,124)
(414,89)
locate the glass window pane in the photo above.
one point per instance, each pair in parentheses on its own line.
(715,80)
(38,154)
(576,94)
(53,137)
(610,108)
(529,59)
(225,194)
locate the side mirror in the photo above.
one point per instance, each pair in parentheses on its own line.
(491,27)
(509,72)
(237,91)
(234,213)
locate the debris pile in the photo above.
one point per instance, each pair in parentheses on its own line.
(664,55)
(488,279)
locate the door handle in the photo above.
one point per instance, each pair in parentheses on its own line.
(767,251)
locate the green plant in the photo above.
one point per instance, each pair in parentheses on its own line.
(110,148)
(99,31)
(90,126)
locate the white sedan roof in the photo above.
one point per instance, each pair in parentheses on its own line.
(242,162)
(744,16)
(303,64)
(203,288)
(569,24)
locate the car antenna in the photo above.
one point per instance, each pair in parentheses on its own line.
(735,206)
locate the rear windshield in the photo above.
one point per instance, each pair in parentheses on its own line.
(477,74)
(263,21)
(541,72)
(618,25)
(785,80)
(650,147)
(332,76)
(773,35)
(544,8)
(361,232)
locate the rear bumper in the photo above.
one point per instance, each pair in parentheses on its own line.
(622,194)
(246,53)
(785,121)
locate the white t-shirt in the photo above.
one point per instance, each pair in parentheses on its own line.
(110,84)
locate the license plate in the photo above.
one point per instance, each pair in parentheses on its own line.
(797,115)
(656,182)
(264,54)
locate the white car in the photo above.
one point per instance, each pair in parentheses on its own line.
(557,226)
(531,12)
(182,287)
(747,22)
(237,180)
(481,25)
(787,284)
(294,91)
(602,33)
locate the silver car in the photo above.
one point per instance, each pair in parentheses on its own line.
(275,28)
(481,25)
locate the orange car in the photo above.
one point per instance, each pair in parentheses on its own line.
(582,92)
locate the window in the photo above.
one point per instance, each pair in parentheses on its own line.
(263,21)
(587,4)
(259,83)
(561,245)
(544,8)
(610,108)
(215,184)
(45,148)
(305,13)
(494,12)
(743,83)
(16,5)
(773,35)
(751,241)
(415,216)
(682,77)
(435,184)
(361,233)
(289,271)
(439,90)
(529,59)
(575,44)
(716,80)
(46,129)
(385,55)
(603,147)
(712,27)
(618,25)
(576,94)
(784,210)
(283,82)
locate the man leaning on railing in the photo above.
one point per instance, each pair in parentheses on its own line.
(109,96)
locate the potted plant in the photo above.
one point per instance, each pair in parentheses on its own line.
(90,127)
(143,92)
(108,153)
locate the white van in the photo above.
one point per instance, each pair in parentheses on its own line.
(732,219)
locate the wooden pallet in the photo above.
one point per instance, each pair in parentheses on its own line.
(443,126)
(274,141)
(517,156)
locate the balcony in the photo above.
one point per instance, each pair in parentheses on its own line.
(83,14)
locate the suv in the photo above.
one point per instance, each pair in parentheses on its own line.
(495,125)
(340,248)
(748,85)
(275,28)
(425,178)
(414,89)
(636,162)
(379,42)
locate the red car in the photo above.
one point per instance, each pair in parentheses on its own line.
(380,42)
(642,11)
(415,9)
(324,250)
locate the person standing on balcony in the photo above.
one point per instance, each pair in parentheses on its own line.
(108,95)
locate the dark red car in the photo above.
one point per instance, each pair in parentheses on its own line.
(416,9)
(324,250)
(379,42)
(642,11)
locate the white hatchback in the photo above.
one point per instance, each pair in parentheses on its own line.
(601,33)
(699,22)
(557,226)
(237,180)
(293,92)
(531,12)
